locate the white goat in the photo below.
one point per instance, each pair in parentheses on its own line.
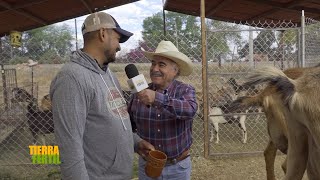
(217,111)
(216,117)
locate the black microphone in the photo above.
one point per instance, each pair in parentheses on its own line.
(131,71)
(136,81)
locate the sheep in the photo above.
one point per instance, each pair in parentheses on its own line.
(39,122)
(300,105)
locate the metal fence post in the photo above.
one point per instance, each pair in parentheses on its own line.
(251,60)
(303,42)
(4,83)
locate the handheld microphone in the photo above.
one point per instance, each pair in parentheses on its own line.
(136,81)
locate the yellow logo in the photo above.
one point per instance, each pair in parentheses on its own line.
(44,154)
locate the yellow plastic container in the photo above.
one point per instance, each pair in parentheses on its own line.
(15,38)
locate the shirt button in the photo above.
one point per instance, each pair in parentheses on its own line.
(159,145)
(158,115)
(156,106)
(158,130)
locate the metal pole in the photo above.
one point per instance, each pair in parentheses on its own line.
(204,79)
(32,81)
(5,90)
(303,40)
(177,43)
(75,26)
(298,37)
(164,19)
(252,63)
(164,23)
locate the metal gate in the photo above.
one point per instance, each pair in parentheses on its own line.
(9,81)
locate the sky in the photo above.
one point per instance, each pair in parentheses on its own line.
(129,17)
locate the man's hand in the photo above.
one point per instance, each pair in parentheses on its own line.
(144,147)
(146,96)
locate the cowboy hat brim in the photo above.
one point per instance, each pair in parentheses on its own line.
(184,63)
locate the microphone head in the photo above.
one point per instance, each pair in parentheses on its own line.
(131,71)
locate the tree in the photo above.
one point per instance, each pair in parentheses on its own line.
(261,44)
(183,30)
(220,41)
(48,42)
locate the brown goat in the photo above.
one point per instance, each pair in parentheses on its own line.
(276,116)
(300,107)
(39,122)
(46,103)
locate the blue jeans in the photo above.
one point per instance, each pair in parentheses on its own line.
(179,171)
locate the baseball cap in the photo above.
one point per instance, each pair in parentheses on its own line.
(98,20)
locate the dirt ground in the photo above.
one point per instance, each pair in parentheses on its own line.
(241,168)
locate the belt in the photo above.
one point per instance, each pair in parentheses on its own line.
(172,161)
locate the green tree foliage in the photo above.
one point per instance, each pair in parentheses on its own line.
(220,37)
(49,44)
(261,44)
(185,32)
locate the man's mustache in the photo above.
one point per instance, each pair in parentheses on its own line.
(157,74)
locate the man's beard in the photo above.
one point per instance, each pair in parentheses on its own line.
(109,57)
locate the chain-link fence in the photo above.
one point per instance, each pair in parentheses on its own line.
(232,51)
(312,42)
(243,132)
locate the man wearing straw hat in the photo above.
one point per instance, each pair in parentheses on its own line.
(164,112)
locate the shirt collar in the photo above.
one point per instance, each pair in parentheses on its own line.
(165,91)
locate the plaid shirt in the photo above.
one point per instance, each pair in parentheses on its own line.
(167,124)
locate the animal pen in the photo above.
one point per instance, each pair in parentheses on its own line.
(282,44)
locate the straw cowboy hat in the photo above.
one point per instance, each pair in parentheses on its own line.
(168,49)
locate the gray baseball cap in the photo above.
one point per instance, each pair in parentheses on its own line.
(98,20)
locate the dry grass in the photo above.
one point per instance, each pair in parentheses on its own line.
(236,168)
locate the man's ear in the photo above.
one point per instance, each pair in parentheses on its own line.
(101,34)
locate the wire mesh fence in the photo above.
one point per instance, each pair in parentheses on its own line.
(229,62)
(312,42)
(233,50)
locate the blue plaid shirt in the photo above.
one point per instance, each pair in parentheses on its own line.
(167,124)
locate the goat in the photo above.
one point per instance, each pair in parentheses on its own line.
(299,101)
(249,90)
(46,103)
(216,114)
(40,122)
(216,118)
(276,119)
(238,88)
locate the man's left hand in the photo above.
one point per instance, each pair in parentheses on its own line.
(144,147)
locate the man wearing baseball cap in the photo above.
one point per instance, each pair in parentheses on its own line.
(92,126)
